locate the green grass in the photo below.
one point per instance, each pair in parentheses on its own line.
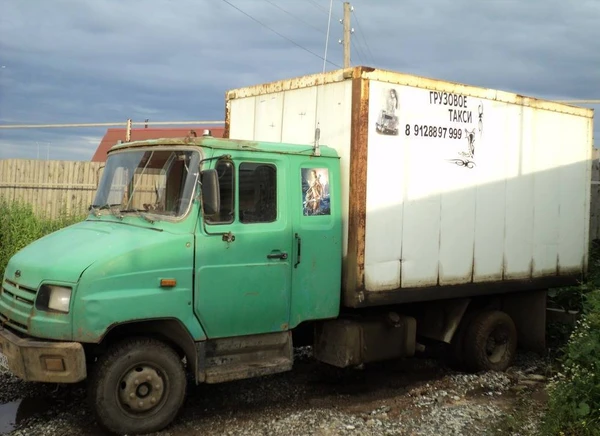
(573,298)
(574,391)
(574,404)
(19,226)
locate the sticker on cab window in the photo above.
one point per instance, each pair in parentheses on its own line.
(315,192)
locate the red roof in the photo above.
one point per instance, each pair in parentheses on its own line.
(112,136)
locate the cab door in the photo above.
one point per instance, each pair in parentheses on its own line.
(243,252)
(317,268)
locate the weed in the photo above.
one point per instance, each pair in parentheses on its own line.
(574,404)
(19,226)
(573,297)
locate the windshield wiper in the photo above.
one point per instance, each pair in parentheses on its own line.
(96,208)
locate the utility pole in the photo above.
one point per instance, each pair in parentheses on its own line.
(347,31)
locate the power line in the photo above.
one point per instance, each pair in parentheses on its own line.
(362,34)
(295,17)
(358,50)
(317,5)
(278,34)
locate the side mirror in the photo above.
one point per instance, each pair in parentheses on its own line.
(211,195)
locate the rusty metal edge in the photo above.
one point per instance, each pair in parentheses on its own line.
(588,200)
(399,78)
(431,293)
(475,91)
(227,116)
(357,210)
(299,82)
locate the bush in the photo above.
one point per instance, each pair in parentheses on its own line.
(572,298)
(19,226)
(574,403)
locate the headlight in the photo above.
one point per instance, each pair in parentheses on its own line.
(53,297)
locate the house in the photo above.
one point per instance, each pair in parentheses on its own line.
(115,135)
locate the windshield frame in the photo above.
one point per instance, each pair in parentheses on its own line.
(192,179)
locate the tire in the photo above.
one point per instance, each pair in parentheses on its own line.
(490,342)
(137,387)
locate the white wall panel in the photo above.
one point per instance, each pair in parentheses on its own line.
(241,124)
(546,206)
(299,114)
(572,193)
(492,159)
(385,202)
(268,119)
(518,242)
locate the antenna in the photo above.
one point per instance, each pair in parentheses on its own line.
(317,137)
(327,38)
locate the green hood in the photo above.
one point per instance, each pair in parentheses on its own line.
(117,266)
(64,255)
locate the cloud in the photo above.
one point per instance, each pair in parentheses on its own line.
(51,144)
(109,60)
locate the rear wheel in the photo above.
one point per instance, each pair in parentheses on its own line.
(137,387)
(490,341)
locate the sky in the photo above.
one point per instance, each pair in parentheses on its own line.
(94,61)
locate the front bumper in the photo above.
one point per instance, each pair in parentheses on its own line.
(43,361)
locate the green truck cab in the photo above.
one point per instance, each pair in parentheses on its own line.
(198,255)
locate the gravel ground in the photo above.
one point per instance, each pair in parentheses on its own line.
(405,397)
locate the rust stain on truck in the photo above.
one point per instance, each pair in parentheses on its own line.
(358,188)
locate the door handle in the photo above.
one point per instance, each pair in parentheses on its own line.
(299,250)
(282,256)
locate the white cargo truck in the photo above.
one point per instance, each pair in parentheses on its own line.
(424,212)
(461,205)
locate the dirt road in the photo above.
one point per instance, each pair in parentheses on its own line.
(406,397)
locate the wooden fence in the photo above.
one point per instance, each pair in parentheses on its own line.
(52,187)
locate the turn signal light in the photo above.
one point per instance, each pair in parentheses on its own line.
(168,283)
(54,364)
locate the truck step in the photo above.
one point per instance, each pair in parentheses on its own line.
(219,374)
(242,357)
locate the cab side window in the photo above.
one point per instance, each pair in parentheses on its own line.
(257,192)
(226,173)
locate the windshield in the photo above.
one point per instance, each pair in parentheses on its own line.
(160,182)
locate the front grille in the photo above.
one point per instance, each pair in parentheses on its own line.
(19,292)
(4,320)
(19,300)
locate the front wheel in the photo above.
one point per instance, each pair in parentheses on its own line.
(137,387)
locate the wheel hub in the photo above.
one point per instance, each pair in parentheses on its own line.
(496,345)
(141,389)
